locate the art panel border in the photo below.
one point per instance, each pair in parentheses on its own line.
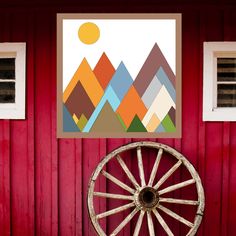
(61,133)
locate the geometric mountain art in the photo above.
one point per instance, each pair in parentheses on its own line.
(120,76)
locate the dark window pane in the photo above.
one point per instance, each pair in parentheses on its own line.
(7,68)
(226,95)
(226,69)
(7,92)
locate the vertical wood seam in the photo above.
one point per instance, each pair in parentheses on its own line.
(201,127)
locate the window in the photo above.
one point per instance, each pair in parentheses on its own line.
(219,81)
(12,80)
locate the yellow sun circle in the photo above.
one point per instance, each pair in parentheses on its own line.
(89,33)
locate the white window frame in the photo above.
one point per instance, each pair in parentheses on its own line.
(18,51)
(212,51)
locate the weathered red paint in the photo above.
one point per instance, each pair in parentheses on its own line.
(43,180)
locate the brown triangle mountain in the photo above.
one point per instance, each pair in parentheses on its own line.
(79,102)
(107,121)
(154,61)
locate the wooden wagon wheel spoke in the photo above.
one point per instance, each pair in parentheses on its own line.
(150,224)
(118,182)
(140,166)
(168,174)
(127,172)
(124,222)
(115,210)
(146,198)
(139,223)
(175,216)
(114,196)
(176,186)
(162,223)
(179,201)
(155,167)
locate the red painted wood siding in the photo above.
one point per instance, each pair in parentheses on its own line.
(43,180)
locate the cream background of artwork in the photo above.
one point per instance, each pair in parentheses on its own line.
(129,41)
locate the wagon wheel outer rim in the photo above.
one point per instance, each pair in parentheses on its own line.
(158,146)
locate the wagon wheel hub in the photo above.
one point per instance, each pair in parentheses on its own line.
(147,198)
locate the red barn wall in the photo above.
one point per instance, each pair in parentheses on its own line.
(43,180)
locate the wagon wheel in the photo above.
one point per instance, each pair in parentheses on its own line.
(146,198)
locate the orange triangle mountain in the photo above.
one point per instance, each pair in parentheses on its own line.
(104,70)
(130,106)
(89,82)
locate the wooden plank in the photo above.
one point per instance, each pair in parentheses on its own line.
(102,181)
(70,187)
(67,178)
(191,93)
(214,146)
(5,210)
(230,217)
(190,87)
(54,145)
(201,136)
(91,158)
(177,179)
(118,172)
(22,149)
(228,162)
(79,187)
(162,169)
(225,178)
(46,198)
(213,142)
(30,123)
(5,188)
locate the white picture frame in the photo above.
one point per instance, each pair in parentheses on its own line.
(212,51)
(15,110)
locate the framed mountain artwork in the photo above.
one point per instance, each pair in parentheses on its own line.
(119,75)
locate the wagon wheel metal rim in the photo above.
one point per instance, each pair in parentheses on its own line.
(146,198)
